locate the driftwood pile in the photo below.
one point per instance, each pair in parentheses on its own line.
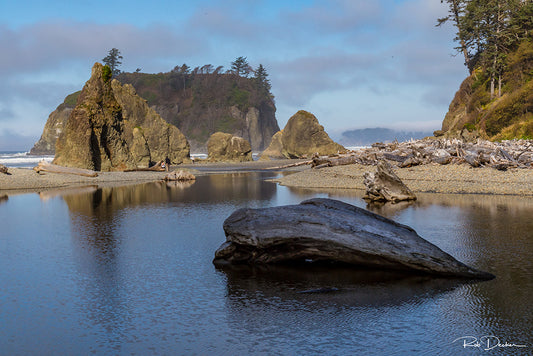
(498,155)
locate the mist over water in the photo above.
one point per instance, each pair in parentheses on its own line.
(128,270)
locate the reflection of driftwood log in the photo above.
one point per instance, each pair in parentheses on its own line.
(61,192)
(44,166)
(179,176)
(384,185)
(325,230)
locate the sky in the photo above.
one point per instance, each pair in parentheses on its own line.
(352,63)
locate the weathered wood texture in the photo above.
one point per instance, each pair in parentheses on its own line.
(325,230)
(498,155)
(46,167)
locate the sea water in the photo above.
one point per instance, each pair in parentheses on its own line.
(128,270)
(18,159)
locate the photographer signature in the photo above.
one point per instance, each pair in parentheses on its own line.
(485,343)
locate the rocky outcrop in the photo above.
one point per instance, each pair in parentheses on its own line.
(302,137)
(54,126)
(275,149)
(224,147)
(325,230)
(384,185)
(111,128)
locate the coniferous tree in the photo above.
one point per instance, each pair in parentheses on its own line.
(261,78)
(113,61)
(240,67)
(456,12)
(486,31)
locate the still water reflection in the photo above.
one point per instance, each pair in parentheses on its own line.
(127,270)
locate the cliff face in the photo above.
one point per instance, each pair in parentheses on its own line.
(111,128)
(473,112)
(54,126)
(202,104)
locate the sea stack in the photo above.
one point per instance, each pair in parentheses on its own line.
(112,128)
(302,137)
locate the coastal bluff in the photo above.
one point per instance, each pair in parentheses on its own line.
(111,128)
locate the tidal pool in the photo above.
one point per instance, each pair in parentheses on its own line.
(127,270)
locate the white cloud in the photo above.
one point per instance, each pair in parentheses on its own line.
(354,62)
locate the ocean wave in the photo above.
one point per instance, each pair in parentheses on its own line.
(22,159)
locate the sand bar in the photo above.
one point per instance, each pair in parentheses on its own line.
(430,178)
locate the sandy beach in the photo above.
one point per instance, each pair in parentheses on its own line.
(432,178)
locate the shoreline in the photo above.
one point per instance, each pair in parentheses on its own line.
(26,180)
(431,178)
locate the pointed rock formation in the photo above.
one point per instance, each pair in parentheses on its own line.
(303,136)
(111,128)
(326,230)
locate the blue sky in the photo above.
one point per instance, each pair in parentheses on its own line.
(353,63)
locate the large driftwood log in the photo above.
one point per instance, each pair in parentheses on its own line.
(325,230)
(292,165)
(44,166)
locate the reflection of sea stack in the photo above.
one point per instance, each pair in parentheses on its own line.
(111,128)
(303,136)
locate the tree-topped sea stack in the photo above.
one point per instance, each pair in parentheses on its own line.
(199,101)
(303,136)
(111,128)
